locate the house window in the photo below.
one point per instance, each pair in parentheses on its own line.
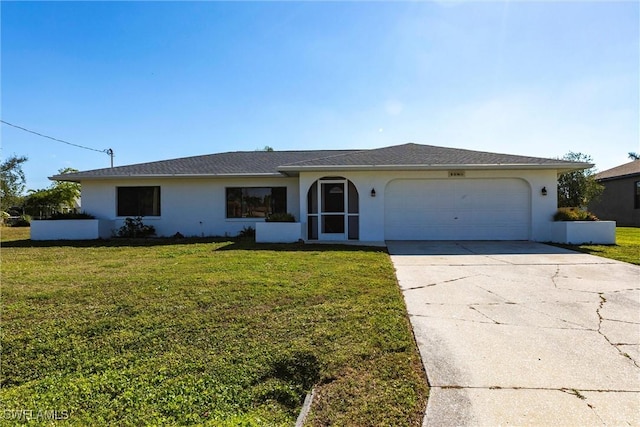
(637,196)
(138,201)
(255,202)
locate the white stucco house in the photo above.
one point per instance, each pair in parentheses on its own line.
(402,192)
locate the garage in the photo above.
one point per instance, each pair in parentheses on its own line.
(457,209)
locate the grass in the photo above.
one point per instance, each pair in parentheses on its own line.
(165,332)
(627,247)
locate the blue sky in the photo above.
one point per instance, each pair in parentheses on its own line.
(159,80)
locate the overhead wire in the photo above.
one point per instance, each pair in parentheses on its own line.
(108,150)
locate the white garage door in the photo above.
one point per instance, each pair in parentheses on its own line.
(457,209)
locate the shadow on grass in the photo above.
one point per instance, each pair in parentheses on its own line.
(231,244)
(247,245)
(99,243)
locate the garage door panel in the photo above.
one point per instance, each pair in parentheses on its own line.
(457,209)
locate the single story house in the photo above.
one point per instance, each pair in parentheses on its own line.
(620,200)
(402,192)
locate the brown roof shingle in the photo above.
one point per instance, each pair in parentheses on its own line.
(622,171)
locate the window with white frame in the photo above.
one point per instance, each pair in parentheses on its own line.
(255,202)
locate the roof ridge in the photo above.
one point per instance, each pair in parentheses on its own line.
(281,151)
(355,151)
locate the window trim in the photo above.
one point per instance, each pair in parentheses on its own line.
(636,195)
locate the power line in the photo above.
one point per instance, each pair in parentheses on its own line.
(50,137)
(108,151)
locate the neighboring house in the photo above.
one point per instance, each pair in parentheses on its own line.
(403,192)
(620,200)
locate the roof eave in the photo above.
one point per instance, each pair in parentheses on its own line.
(163,176)
(560,167)
(625,176)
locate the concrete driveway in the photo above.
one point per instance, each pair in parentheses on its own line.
(521,333)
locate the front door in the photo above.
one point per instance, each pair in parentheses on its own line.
(332,210)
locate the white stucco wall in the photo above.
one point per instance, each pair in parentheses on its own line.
(278,232)
(584,232)
(191,206)
(372,221)
(196,206)
(71,229)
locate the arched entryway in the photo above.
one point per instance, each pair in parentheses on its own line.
(333,210)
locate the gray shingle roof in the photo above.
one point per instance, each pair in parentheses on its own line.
(421,155)
(279,163)
(223,164)
(628,169)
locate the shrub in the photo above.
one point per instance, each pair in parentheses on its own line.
(23,221)
(4,216)
(247,232)
(280,217)
(134,227)
(72,215)
(574,214)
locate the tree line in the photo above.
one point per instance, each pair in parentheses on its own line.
(59,197)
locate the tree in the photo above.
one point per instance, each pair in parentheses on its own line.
(12,181)
(57,197)
(634,156)
(40,203)
(578,188)
(67,193)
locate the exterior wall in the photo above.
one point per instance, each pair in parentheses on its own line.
(190,206)
(197,207)
(581,232)
(71,229)
(372,221)
(278,232)
(617,202)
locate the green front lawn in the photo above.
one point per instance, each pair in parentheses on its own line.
(205,332)
(627,247)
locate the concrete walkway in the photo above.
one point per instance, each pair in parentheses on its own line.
(520,333)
